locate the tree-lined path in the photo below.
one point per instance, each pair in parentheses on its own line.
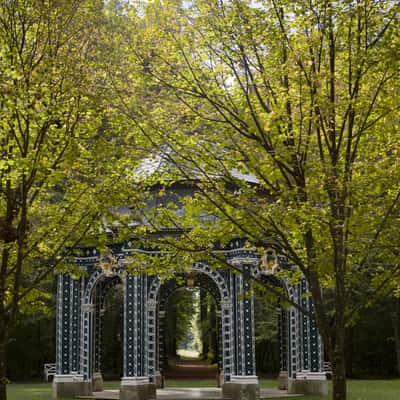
(191,368)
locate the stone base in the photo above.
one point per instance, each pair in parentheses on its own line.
(220,379)
(137,389)
(97,382)
(241,388)
(159,380)
(317,387)
(283,380)
(69,386)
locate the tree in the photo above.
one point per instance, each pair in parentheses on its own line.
(266,318)
(207,326)
(181,307)
(395,316)
(32,342)
(112,336)
(56,174)
(284,114)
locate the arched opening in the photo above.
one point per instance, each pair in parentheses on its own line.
(102,303)
(189,330)
(191,345)
(271,331)
(181,327)
(209,316)
(112,333)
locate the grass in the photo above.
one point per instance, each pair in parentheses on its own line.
(357,390)
(33,391)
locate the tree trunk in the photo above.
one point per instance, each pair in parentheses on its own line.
(4,326)
(338,360)
(349,351)
(396,331)
(171,343)
(213,333)
(203,317)
(3,362)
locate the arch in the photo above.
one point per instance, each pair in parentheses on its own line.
(88,319)
(201,280)
(198,267)
(226,321)
(94,279)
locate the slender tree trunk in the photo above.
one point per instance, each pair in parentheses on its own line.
(203,317)
(213,333)
(172,325)
(3,326)
(3,360)
(396,331)
(4,317)
(338,360)
(349,351)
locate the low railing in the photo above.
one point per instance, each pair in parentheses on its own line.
(49,370)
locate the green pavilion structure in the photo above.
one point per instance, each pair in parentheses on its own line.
(79,320)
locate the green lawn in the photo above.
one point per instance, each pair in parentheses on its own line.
(358,390)
(33,391)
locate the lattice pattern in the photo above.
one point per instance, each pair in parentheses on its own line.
(79,303)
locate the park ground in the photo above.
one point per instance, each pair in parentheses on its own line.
(357,389)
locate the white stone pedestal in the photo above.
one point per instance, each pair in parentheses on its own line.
(137,388)
(314,383)
(159,380)
(68,386)
(97,382)
(242,388)
(283,380)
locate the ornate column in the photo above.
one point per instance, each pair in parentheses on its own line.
(97,330)
(228,350)
(160,349)
(88,310)
(243,383)
(153,343)
(76,320)
(249,360)
(68,381)
(283,348)
(220,364)
(135,384)
(306,373)
(294,347)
